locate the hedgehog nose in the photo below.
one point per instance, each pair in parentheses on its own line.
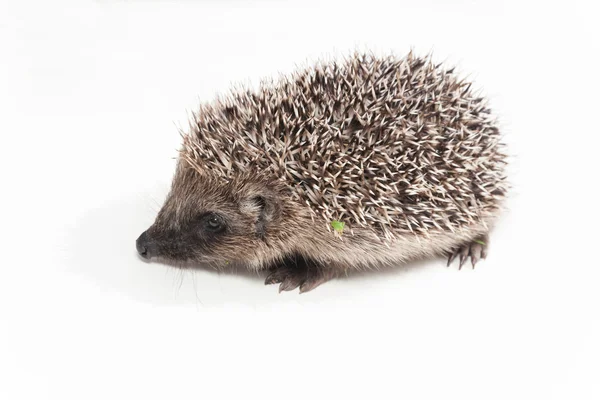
(143,247)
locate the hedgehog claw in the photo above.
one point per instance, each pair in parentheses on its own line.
(274,277)
(271,280)
(451,258)
(288,276)
(313,281)
(297,274)
(290,283)
(476,251)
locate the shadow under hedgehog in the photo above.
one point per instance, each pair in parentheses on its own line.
(357,164)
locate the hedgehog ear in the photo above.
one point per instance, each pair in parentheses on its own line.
(265,208)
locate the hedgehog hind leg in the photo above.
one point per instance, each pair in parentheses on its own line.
(298,272)
(475,250)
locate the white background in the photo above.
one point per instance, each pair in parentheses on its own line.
(91,96)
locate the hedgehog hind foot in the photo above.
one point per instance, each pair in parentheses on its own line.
(476,250)
(298,273)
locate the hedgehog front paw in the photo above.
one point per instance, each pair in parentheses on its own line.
(476,250)
(297,273)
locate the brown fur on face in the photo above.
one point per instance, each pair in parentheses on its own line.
(250,208)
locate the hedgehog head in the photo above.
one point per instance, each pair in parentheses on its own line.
(210,220)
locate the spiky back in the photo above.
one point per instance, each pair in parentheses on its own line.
(399,144)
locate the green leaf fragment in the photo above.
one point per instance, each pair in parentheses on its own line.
(338,226)
(481,242)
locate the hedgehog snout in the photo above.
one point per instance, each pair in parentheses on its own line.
(145,247)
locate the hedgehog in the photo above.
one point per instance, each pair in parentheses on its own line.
(360,163)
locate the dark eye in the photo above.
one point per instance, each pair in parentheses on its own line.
(213,223)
